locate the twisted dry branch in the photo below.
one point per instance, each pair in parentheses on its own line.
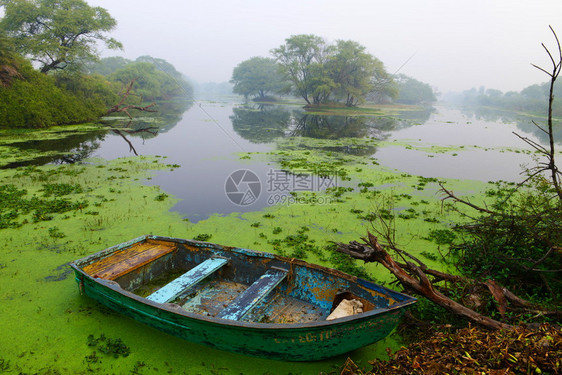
(415,277)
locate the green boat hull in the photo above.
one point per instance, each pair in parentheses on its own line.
(288,342)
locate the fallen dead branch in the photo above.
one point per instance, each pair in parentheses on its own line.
(414,275)
(121,107)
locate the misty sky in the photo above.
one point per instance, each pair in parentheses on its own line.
(455,44)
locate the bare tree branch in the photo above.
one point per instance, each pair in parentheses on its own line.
(121,132)
(534,144)
(121,107)
(550,153)
(451,195)
(414,277)
(539,68)
(131,147)
(538,126)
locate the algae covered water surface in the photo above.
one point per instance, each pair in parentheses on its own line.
(55,213)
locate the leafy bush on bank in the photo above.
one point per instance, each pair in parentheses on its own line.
(38,100)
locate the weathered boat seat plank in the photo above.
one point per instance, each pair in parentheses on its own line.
(174,288)
(255,293)
(127,260)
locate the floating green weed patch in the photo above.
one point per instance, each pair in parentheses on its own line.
(15,136)
(366,110)
(365,195)
(13,155)
(15,202)
(108,346)
(19,147)
(161,197)
(60,189)
(44,318)
(203,237)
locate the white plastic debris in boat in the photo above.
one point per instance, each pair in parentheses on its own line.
(346,308)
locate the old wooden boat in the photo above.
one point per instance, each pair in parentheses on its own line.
(239,300)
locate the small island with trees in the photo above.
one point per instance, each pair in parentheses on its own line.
(344,74)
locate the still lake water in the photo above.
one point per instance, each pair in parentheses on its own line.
(206,138)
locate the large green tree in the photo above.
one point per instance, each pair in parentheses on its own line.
(384,88)
(107,65)
(257,77)
(353,69)
(57,34)
(321,72)
(149,83)
(170,70)
(302,59)
(41,100)
(155,79)
(412,91)
(9,65)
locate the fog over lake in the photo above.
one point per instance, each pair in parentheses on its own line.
(452,45)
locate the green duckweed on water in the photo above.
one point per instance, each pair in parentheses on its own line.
(20,145)
(54,214)
(46,324)
(364,110)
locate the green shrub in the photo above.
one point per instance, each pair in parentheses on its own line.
(518,244)
(38,100)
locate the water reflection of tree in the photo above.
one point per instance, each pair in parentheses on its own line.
(262,124)
(336,127)
(344,128)
(265,123)
(64,150)
(414,117)
(166,118)
(74,148)
(523,123)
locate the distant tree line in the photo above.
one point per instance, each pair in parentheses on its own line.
(532,99)
(306,66)
(50,72)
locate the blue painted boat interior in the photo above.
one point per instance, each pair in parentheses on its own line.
(243,285)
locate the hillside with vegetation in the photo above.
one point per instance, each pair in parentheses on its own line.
(51,74)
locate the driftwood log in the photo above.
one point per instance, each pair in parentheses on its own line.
(414,276)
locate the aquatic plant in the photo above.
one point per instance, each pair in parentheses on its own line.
(14,202)
(55,232)
(108,346)
(203,237)
(161,197)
